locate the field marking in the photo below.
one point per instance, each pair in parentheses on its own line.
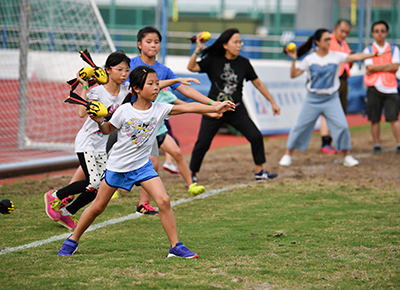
(115,221)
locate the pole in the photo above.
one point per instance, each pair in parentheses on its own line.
(164,30)
(360,26)
(368,22)
(23,71)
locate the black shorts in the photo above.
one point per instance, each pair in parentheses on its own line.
(376,101)
(161,138)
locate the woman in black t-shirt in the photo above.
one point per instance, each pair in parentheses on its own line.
(227,71)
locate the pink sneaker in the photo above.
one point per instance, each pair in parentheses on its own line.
(327,149)
(49,200)
(67,220)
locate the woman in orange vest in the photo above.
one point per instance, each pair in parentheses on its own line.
(381,81)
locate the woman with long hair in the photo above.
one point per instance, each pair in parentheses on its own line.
(227,71)
(322,66)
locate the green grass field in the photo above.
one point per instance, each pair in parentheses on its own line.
(261,236)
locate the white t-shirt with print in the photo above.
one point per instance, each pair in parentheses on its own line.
(89,137)
(395,59)
(137,131)
(323,72)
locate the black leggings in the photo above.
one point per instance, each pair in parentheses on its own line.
(77,187)
(239,120)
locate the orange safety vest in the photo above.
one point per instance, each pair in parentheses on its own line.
(335,46)
(388,79)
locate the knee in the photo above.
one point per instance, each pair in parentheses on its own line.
(177,154)
(256,137)
(163,202)
(98,208)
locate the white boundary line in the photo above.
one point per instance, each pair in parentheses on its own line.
(115,221)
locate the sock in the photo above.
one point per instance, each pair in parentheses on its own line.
(377,145)
(326,140)
(65,212)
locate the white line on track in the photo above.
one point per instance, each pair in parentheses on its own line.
(115,221)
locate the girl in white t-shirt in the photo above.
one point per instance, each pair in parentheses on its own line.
(322,68)
(137,121)
(90,144)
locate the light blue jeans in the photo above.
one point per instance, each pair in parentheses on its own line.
(313,106)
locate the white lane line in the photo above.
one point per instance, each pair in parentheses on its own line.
(115,221)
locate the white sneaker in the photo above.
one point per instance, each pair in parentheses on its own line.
(171,167)
(286,160)
(349,161)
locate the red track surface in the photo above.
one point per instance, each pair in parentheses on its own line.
(185,129)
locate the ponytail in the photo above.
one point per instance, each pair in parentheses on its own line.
(306,47)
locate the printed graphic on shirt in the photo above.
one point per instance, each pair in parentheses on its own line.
(139,131)
(322,77)
(230,84)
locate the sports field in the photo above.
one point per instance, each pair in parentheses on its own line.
(318,225)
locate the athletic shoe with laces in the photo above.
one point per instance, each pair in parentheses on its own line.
(398,149)
(286,160)
(265,175)
(194,177)
(50,199)
(195,189)
(327,149)
(181,251)
(377,150)
(146,208)
(68,248)
(349,161)
(67,219)
(171,167)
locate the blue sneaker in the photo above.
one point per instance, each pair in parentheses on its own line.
(265,175)
(181,251)
(68,248)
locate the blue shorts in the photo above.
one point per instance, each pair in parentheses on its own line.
(126,180)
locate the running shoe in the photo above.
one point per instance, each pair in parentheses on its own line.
(146,208)
(328,149)
(286,160)
(181,251)
(377,150)
(349,161)
(50,198)
(265,175)
(171,167)
(195,189)
(67,219)
(115,195)
(68,248)
(398,149)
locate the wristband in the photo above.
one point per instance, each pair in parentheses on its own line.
(294,60)
(376,54)
(210,102)
(101,124)
(196,53)
(85,87)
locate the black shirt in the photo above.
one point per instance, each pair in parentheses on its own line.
(227,76)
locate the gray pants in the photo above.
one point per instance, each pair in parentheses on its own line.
(314,105)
